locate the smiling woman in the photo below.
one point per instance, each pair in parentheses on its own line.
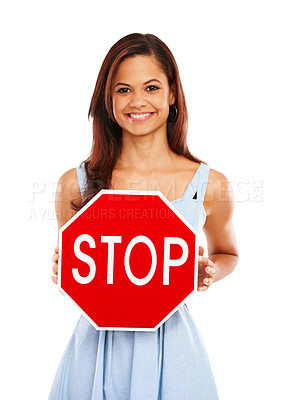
(139,136)
(139,75)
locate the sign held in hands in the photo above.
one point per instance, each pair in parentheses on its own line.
(128,259)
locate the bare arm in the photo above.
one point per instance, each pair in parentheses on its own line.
(218,228)
(67,190)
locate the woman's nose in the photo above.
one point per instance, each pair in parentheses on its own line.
(138,99)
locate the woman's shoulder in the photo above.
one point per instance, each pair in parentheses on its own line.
(216,176)
(219,192)
(68,184)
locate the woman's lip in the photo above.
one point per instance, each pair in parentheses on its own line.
(140,119)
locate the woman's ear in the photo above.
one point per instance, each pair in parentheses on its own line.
(172,97)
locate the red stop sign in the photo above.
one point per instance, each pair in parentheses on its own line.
(128,259)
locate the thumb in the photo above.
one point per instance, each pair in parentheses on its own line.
(201,251)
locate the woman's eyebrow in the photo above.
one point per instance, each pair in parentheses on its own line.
(126,84)
(151,80)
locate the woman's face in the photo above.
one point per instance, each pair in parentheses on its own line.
(141,96)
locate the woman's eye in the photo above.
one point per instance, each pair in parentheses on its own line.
(152,87)
(122,90)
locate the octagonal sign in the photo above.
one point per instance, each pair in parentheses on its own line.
(128,259)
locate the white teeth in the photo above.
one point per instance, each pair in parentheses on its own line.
(139,115)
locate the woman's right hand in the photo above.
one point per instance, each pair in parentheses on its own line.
(55,260)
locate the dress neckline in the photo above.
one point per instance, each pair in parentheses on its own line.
(189,186)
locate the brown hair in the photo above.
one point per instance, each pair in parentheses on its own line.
(107,134)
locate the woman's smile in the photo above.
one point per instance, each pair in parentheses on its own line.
(140,117)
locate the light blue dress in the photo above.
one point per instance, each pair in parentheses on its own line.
(168,364)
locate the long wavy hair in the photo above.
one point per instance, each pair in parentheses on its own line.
(107,134)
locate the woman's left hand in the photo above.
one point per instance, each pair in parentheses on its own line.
(206,271)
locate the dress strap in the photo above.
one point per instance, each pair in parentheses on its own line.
(82,177)
(202,183)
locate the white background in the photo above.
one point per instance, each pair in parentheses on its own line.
(234,60)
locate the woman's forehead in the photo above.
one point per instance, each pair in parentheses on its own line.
(138,68)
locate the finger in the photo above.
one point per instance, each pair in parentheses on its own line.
(55,257)
(207,281)
(57,249)
(201,251)
(205,261)
(202,288)
(210,271)
(202,260)
(54,279)
(55,269)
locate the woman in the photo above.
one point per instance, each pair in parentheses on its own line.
(139,136)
